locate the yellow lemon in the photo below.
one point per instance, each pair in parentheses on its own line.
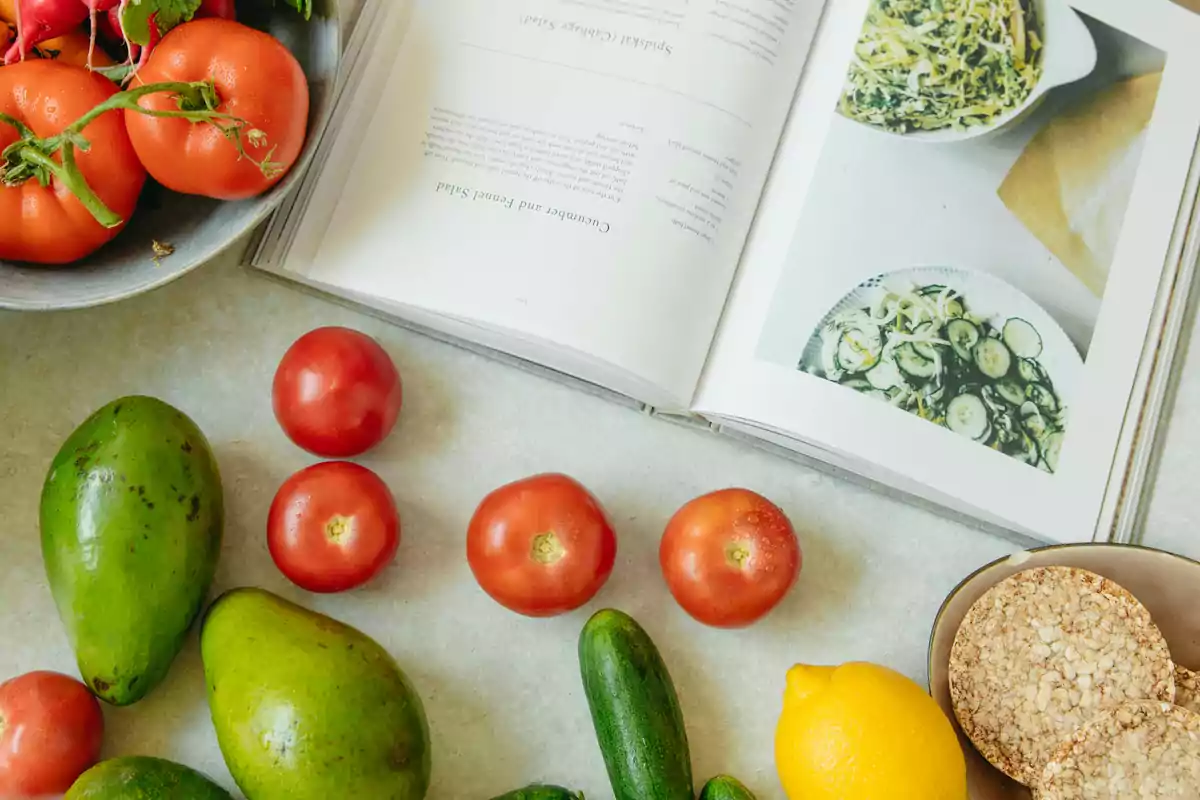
(865,732)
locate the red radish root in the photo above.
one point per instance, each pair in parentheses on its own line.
(39,20)
(95,8)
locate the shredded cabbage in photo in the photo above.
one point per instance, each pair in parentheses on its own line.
(927,65)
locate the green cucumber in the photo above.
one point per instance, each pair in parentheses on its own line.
(723,787)
(635,710)
(539,791)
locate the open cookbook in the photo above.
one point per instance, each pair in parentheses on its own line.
(940,245)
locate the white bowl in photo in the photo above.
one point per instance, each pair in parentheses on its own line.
(1068,54)
(986,296)
(1003,373)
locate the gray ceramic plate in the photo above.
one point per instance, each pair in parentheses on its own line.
(198,228)
(1167,585)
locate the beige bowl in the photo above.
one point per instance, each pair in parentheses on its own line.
(1167,584)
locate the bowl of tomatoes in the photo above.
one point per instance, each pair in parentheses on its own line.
(139,139)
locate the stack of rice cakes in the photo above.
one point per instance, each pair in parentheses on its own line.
(1061,680)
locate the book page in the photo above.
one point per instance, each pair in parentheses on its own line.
(582,172)
(962,245)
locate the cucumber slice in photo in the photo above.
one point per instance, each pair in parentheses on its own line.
(993,358)
(1028,452)
(1043,398)
(1033,421)
(992,399)
(926,349)
(963,336)
(1051,448)
(1006,430)
(884,376)
(858,349)
(967,415)
(912,363)
(1031,371)
(1011,391)
(1022,338)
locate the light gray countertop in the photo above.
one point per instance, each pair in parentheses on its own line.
(503,692)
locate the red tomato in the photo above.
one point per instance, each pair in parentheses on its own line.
(257,80)
(337,394)
(730,557)
(51,728)
(333,527)
(49,225)
(541,546)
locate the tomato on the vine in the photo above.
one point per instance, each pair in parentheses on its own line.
(336,392)
(541,546)
(51,729)
(333,527)
(257,80)
(50,224)
(730,557)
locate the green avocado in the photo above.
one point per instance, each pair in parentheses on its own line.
(132,515)
(144,778)
(307,708)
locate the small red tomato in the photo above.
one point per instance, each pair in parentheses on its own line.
(730,557)
(51,728)
(541,546)
(333,527)
(337,393)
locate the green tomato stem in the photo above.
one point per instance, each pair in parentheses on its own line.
(68,172)
(200,97)
(22,129)
(31,156)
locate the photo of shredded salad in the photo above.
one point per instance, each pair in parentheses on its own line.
(923,350)
(928,65)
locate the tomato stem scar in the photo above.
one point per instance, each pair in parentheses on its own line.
(738,554)
(547,549)
(338,528)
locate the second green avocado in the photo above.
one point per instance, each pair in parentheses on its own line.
(144,778)
(132,516)
(308,708)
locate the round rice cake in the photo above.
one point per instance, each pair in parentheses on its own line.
(1137,750)
(1187,689)
(1040,653)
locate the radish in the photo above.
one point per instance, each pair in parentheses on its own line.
(216,8)
(140,45)
(109,26)
(137,55)
(144,55)
(39,20)
(95,8)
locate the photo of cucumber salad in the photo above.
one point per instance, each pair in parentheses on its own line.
(925,351)
(928,65)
